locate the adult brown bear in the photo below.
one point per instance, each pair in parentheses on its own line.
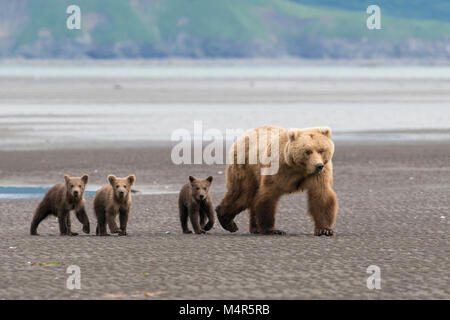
(303,163)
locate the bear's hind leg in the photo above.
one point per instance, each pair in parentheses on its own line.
(101,222)
(253,224)
(265,208)
(322,206)
(40,214)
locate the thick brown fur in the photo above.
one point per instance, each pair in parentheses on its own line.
(302,152)
(59,201)
(195,203)
(111,200)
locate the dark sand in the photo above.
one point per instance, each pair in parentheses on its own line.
(394,213)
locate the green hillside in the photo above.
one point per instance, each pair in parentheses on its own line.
(221,28)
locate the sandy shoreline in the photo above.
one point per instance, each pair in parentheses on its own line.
(392,178)
(394,213)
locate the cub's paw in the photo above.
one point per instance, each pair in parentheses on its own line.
(201,231)
(122,233)
(274,232)
(187,231)
(324,232)
(72,234)
(116,231)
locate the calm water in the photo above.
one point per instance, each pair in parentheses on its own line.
(225,71)
(36,192)
(39,126)
(27,125)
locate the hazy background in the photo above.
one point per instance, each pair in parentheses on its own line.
(312,29)
(140,69)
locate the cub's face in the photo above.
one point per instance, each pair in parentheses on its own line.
(200,187)
(121,186)
(310,149)
(75,186)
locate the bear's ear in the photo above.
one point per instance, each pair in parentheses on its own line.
(209,179)
(291,134)
(325,131)
(66,178)
(85,178)
(131,179)
(112,179)
(192,178)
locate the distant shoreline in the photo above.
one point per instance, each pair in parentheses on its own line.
(228,62)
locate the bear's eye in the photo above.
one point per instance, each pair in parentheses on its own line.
(308,152)
(321,151)
(117,187)
(79,186)
(71,185)
(125,187)
(198,188)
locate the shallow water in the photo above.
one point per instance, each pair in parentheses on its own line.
(146,71)
(36,192)
(43,126)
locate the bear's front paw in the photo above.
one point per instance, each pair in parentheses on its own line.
(86,229)
(274,232)
(122,233)
(324,232)
(228,224)
(72,234)
(116,230)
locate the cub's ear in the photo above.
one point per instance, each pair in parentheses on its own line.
(325,131)
(85,178)
(210,179)
(192,178)
(112,179)
(131,179)
(66,178)
(291,134)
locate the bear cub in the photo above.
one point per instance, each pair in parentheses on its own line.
(195,202)
(59,201)
(111,200)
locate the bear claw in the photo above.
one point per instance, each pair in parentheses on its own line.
(324,232)
(274,232)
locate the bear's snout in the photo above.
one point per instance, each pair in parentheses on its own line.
(76,193)
(121,194)
(319,167)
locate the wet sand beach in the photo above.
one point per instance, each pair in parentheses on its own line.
(394,213)
(391,174)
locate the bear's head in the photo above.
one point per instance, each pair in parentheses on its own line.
(75,186)
(121,186)
(310,149)
(200,187)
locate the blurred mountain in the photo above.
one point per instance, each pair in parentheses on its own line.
(225,28)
